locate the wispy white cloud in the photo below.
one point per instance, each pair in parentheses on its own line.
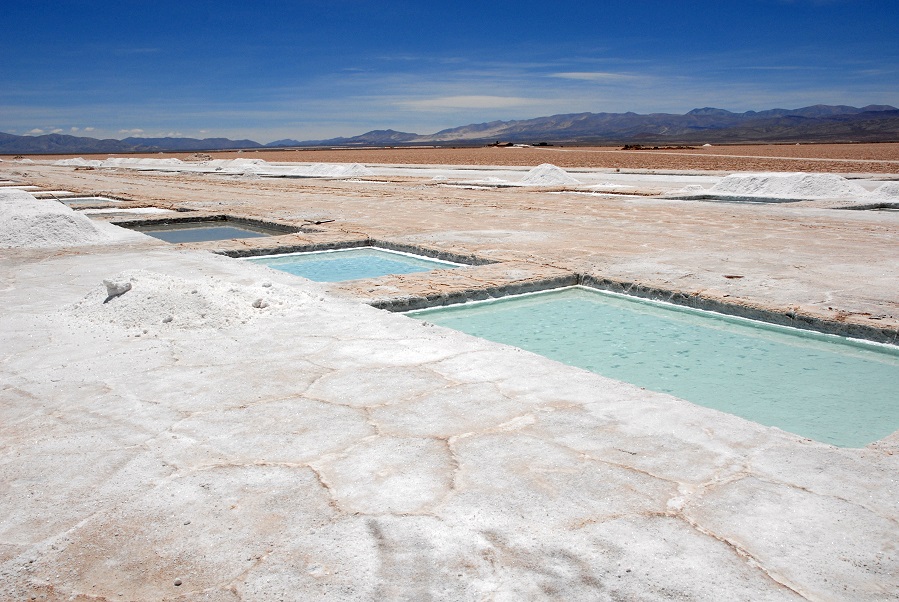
(132,132)
(37,132)
(466,102)
(794,68)
(596,76)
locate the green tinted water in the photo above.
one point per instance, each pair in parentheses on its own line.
(350,264)
(822,387)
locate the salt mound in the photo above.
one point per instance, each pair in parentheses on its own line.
(235,162)
(137,163)
(549,175)
(78,162)
(788,186)
(152,302)
(251,169)
(28,222)
(331,170)
(888,191)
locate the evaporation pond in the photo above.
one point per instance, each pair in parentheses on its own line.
(822,387)
(350,264)
(202,231)
(89,200)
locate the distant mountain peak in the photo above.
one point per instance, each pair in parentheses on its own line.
(709,111)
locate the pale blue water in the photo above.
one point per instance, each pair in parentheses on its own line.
(350,264)
(826,388)
(198,232)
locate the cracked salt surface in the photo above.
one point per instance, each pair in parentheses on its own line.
(317,448)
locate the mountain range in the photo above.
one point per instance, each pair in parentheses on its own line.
(818,123)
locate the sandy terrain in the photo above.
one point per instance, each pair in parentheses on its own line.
(832,158)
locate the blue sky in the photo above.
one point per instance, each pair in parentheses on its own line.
(312,69)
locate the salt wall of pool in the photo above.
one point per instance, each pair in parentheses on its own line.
(350,264)
(823,387)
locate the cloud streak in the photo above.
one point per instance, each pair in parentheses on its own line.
(597,76)
(467,102)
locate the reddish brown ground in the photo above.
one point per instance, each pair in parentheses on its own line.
(834,158)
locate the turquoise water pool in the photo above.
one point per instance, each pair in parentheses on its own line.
(826,388)
(350,264)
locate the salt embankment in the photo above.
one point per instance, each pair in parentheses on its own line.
(28,222)
(548,174)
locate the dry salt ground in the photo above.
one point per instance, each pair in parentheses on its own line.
(176,425)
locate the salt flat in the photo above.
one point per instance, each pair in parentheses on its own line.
(222,431)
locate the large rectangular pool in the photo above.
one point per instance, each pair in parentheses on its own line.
(823,387)
(351,264)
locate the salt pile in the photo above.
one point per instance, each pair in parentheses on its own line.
(30,223)
(331,170)
(548,174)
(153,303)
(888,191)
(788,186)
(236,162)
(136,163)
(78,162)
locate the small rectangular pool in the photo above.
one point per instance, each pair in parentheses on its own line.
(832,389)
(88,200)
(351,264)
(204,230)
